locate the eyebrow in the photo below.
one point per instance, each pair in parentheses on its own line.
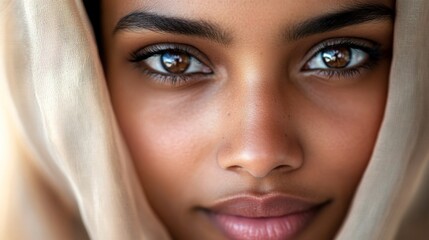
(158,23)
(353,15)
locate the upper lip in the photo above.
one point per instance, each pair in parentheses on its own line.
(259,206)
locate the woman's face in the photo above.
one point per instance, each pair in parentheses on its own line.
(249,119)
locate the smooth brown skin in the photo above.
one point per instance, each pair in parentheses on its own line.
(259,124)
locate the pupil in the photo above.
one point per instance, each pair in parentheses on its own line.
(338,57)
(175,62)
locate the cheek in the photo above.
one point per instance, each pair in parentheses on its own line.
(169,140)
(339,139)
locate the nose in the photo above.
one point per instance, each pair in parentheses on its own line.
(260,138)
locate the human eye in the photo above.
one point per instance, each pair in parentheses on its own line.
(342,58)
(171,64)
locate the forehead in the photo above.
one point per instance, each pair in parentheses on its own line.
(232,14)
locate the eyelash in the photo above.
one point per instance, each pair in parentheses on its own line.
(371,48)
(174,79)
(368,47)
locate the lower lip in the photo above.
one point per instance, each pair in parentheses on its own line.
(269,228)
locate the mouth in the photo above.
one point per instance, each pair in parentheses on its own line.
(271,217)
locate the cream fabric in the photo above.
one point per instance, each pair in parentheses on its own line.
(71,155)
(66,173)
(392,201)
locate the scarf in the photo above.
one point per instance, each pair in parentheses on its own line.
(65,172)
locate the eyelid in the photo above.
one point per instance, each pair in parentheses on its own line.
(170,79)
(153,49)
(372,48)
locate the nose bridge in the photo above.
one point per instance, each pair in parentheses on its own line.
(261,129)
(258,142)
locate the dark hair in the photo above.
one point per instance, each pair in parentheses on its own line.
(93,9)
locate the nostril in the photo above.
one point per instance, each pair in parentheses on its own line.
(235,168)
(259,170)
(285,168)
(262,167)
(281,167)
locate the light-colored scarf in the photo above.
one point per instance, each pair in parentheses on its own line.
(64,169)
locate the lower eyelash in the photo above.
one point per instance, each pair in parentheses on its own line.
(173,79)
(339,74)
(374,56)
(346,73)
(371,48)
(169,79)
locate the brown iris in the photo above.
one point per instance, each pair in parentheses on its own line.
(336,57)
(175,62)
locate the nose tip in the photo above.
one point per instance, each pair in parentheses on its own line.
(261,159)
(259,139)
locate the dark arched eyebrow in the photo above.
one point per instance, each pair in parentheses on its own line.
(352,15)
(158,23)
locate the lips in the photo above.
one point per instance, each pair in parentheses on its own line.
(270,217)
